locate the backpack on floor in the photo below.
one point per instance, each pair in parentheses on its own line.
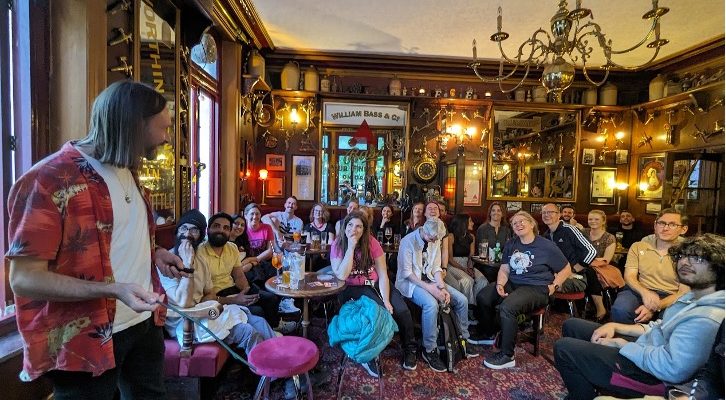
(450,341)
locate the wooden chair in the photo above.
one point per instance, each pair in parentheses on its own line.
(185,365)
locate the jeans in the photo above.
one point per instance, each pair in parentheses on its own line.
(585,366)
(521,300)
(139,374)
(430,314)
(464,283)
(401,313)
(247,336)
(623,309)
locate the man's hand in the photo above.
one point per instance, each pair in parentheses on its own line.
(618,343)
(501,292)
(650,299)
(138,299)
(643,314)
(606,331)
(470,272)
(245,299)
(169,264)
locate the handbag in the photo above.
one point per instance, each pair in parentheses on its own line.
(608,275)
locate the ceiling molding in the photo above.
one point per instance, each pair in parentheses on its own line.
(239,20)
(709,50)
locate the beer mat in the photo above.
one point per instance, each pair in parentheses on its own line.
(325,277)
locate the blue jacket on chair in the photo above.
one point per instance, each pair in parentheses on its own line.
(362,328)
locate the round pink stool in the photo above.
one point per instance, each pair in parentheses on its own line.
(283,357)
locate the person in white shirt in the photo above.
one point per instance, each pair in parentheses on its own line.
(284,222)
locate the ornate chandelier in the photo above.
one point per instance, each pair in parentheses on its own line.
(571,35)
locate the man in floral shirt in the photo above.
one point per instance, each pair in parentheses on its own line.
(81,238)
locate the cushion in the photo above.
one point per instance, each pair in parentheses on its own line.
(570,296)
(284,356)
(207,360)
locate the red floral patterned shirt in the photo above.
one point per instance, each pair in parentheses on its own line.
(60,211)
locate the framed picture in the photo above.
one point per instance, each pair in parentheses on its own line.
(514,206)
(472,183)
(275,187)
(652,208)
(588,156)
(651,175)
(602,190)
(536,208)
(303,177)
(621,157)
(275,162)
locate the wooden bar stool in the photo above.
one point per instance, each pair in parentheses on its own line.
(283,357)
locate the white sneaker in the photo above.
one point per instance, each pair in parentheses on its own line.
(286,327)
(287,306)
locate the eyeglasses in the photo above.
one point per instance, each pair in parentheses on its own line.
(662,224)
(548,212)
(520,222)
(217,225)
(184,229)
(691,258)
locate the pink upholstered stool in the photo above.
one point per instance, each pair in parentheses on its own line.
(283,357)
(570,298)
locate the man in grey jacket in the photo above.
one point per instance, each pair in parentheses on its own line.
(669,350)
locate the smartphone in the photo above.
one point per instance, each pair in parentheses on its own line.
(187,270)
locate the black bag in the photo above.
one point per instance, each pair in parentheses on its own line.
(450,341)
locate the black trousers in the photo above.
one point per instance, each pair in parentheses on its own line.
(521,300)
(401,313)
(139,373)
(585,366)
(266,307)
(594,287)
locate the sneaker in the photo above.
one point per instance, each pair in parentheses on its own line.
(409,360)
(435,363)
(470,353)
(372,368)
(499,361)
(286,327)
(287,306)
(482,340)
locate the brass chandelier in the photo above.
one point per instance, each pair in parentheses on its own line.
(570,39)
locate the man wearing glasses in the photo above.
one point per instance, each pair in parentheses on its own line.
(651,281)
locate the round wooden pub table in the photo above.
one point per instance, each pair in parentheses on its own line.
(486,267)
(310,288)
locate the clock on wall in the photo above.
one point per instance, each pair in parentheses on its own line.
(424,170)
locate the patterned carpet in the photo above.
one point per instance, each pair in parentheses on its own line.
(532,378)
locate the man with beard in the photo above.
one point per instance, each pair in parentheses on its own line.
(630,229)
(236,325)
(670,350)
(568,216)
(82,255)
(284,222)
(229,282)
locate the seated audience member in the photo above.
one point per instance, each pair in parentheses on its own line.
(222,259)
(433,212)
(237,235)
(629,227)
(671,350)
(420,279)
(320,223)
(387,221)
(579,253)
(284,222)
(651,281)
(351,206)
(461,274)
(416,220)
(357,258)
(442,208)
(237,325)
(604,244)
(532,269)
(495,228)
(568,216)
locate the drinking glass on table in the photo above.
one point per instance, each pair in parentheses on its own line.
(389,235)
(379,237)
(619,239)
(277,263)
(396,240)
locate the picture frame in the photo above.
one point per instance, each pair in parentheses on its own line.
(514,206)
(536,208)
(653,208)
(621,157)
(588,156)
(275,162)
(651,176)
(276,187)
(473,174)
(602,190)
(303,177)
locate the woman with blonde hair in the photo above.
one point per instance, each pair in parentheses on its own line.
(604,243)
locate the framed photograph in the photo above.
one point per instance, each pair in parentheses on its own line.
(651,175)
(472,183)
(536,208)
(276,187)
(514,206)
(602,190)
(588,156)
(621,157)
(275,162)
(303,177)
(652,208)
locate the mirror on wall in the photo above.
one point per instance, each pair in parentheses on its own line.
(533,154)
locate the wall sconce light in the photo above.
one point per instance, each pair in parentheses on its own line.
(263,178)
(619,187)
(296,116)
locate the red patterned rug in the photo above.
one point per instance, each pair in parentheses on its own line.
(532,378)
